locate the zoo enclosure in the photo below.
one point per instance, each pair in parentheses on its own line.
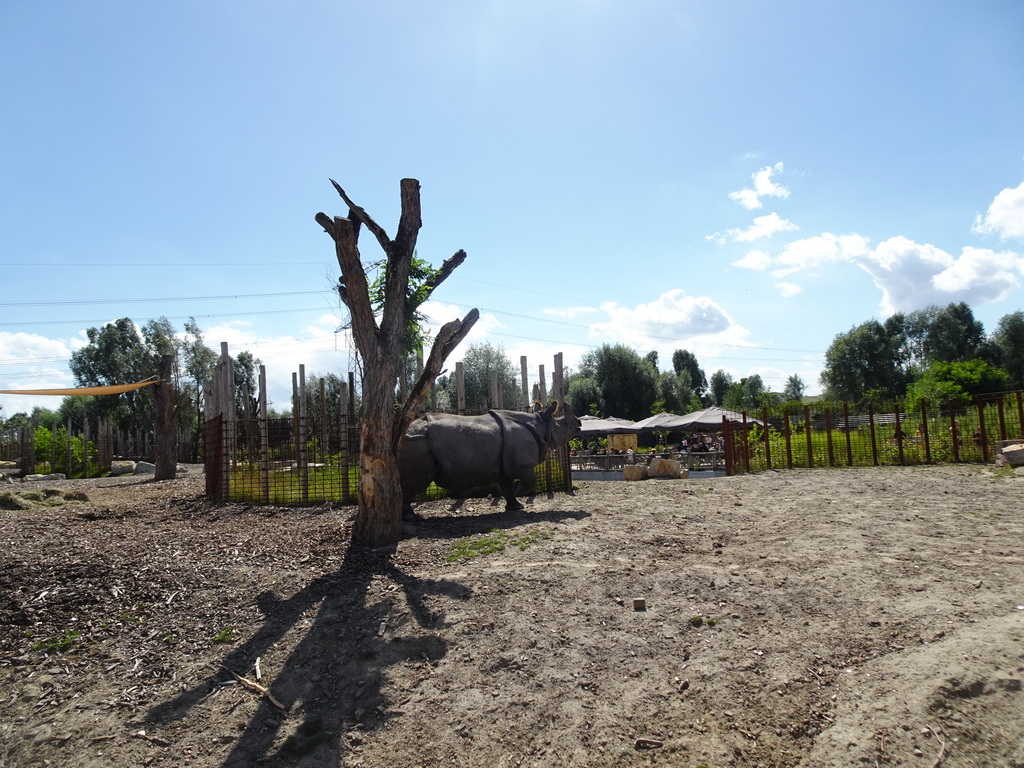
(313,456)
(838,437)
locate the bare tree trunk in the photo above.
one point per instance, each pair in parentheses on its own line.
(166,433)
(382,427)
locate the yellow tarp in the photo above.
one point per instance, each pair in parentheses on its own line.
(115,389)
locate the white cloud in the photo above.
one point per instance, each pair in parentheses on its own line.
(750,198)
(31,361)
(669,322)
(763,226)
(1005,216)
(912,275)
(758,261)
(788,290)
(821,249)
(319,347)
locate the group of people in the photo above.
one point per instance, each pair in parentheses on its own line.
(698,444)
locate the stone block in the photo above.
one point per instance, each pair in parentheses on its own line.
(145,468)
(663,468)
(634,472)
(1014,454)
(122,467)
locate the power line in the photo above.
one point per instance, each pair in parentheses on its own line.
(87,302)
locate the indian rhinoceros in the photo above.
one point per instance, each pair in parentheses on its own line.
(460,453)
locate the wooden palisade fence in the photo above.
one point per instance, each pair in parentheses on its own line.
(313,455)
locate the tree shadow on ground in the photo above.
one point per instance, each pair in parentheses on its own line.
(459,519)
(332,679)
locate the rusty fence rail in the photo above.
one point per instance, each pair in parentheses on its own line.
(836,436)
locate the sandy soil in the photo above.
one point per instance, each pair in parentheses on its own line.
(870,617)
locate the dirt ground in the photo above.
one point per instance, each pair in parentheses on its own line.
(868,617)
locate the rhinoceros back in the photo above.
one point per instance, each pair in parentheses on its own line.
(465,452)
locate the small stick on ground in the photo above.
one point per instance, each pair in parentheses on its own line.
(942,748)
(258,688)
(152,739)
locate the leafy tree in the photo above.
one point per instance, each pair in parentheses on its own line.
(794,389)
(117,354)
(746,394)
(421,273)
(864,358)
(953,335)
(246,380)
(197,362)
(478,364)
(682,360)
(1009,340)
(719,386)
(584,394)
(629,383)
(675,394)
(956,383)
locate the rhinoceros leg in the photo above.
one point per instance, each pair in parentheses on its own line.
(417,469)
(508,490)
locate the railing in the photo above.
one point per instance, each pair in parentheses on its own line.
(810,436)
(697,461)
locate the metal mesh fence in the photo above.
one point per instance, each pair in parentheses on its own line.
(838,437)
(310,461)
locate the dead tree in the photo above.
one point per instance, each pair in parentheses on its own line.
(384,420)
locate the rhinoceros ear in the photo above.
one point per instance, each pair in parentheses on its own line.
(549,411)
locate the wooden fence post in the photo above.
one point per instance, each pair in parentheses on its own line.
(166,450)
(767,441)
(543,387)
(899,433)
(846,431)
(526,386)
(924,433)
(460,388)
(871,428)
(264,438)
(557,380)
(828,437)
(303,449)
(807,434)
(789,444)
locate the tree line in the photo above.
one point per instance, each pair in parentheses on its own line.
(937,354)
(122,352)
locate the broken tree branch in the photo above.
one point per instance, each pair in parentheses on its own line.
(448,338)
(358,214)
(258,688)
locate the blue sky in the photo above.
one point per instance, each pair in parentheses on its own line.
(744,180)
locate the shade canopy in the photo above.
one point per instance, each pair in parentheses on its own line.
(612,425)
(710,419)
(660,422)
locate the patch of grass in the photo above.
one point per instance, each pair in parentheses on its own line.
(494,541)
(168,638)
(13,502)
(711,622)
(696,621)
(226,635)
(57,644)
